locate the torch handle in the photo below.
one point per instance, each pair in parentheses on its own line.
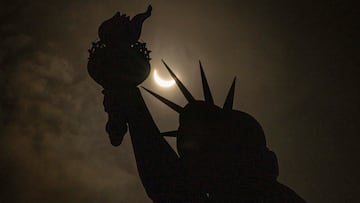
(116,104)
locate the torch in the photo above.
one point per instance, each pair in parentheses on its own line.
(118,64)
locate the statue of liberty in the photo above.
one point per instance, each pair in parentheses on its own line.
(223,156)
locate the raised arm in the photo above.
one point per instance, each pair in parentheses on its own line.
(157,163)
(119,69)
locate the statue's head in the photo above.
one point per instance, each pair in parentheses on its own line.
(211,139)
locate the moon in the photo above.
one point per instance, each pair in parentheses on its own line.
(161,82)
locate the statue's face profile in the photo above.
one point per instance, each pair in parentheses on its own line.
(200,138)
(199,124)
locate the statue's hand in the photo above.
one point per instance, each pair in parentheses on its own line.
(116,127)
(118,104)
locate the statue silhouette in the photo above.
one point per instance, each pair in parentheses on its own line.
(223,155)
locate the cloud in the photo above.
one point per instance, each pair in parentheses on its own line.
(53,144)
(296,70)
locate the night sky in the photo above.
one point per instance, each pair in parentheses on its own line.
(297,67)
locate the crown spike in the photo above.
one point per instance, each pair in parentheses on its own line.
(183,89)
(206,88)
(228,104)
(169,103)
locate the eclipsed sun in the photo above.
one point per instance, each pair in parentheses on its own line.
(161,82)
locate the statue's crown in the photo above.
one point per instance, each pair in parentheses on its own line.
(209,101)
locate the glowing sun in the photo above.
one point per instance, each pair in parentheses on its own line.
(161,82)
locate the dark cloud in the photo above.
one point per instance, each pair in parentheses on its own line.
(297,73)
